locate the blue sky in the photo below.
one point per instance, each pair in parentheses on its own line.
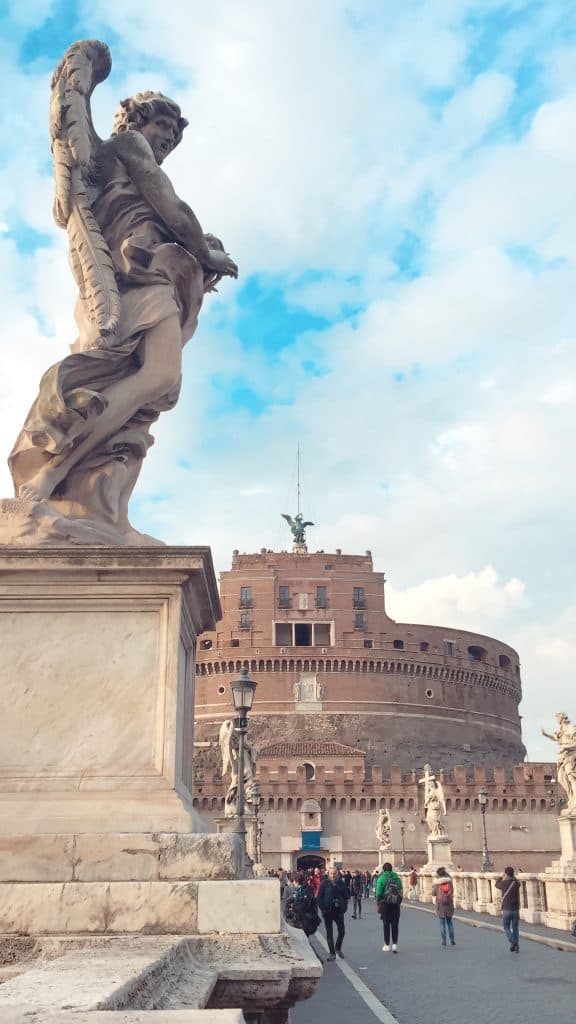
(396,184)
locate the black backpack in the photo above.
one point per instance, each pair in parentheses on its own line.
(392,894)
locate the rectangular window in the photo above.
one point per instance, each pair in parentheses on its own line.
(359,620)
(359,600)
(398,645)
(321,597)
(284,634)
(424,645)
(245,620)
(245,597)
(302,634)
(449,648)
(283,597)
(321,634)
(369,643)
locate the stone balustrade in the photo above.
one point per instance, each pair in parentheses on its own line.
(547,898)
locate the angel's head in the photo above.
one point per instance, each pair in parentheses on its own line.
(156,116)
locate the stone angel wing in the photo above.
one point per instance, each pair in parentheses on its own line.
(288,519)
(225,741)
(75,146)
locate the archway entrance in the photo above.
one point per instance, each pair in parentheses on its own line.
(310,860)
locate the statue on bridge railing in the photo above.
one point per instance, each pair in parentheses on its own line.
(565,737)
(383,824)
(434,802)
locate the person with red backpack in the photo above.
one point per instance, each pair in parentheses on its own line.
(443,890)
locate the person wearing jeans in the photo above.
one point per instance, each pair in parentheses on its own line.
(443,892)
(509,886)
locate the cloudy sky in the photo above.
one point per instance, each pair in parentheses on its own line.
(396,182)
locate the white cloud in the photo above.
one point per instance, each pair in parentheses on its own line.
(476,601)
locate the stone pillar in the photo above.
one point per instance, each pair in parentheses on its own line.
(97,673)
(439,853)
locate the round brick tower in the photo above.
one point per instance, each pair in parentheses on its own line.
(331,665)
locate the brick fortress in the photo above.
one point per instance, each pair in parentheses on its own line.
(349,707)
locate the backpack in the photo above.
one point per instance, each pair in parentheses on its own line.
(392,892)
(445,894)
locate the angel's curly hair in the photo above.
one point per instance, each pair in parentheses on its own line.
(137,110)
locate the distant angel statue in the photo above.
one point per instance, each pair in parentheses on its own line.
(434,802)
(565,737)
(229,751)
(297,526)
(142,265)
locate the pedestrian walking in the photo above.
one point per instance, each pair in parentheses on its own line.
(509,886)
(413,883)
(317,879)
(367,884)
(443,892)
(388,899)
(357,890)
(306,906)
(333,902)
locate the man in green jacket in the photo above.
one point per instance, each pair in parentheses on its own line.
(388,900)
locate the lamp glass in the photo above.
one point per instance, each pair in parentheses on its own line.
(483,797)
(243,692)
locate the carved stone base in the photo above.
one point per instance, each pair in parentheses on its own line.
(97,687)
(439,853)
(566,865)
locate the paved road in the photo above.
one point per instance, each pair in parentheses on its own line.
(477,982)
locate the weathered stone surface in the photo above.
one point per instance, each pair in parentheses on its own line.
(140,974)
(251,905)
(169,1016)
(97,687)
(120,857)
(99,907)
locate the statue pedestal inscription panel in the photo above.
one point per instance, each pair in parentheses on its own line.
(97,687)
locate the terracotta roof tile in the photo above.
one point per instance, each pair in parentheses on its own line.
(310,748)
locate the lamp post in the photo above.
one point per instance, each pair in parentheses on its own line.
(243,696)
(483,800)
(402,823)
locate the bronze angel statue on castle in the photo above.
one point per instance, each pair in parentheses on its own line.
(142,264)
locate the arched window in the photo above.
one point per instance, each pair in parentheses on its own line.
(333,804)
(392,804)
(503,661)
(448,804)
(309,770)
(289,803)
(271,803)
(476,653)
(467,804)
(280,804)
(383,803)
(362,805)
(504,804)
(494,805)
(372,805)
(353,804)
(411,804)
(343,804)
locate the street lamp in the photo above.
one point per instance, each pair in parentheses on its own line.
(483,800)
(402,823)
(243,696)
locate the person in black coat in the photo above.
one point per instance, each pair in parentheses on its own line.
(333,902)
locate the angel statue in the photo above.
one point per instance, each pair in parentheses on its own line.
(142,265)
(565,737)
(434,803)
(297,526)
(229,749)
(383,824)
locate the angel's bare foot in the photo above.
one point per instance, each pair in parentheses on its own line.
(39,487)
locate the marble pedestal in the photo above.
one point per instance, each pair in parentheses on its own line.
(566,865)
(439,853)
(97,687)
